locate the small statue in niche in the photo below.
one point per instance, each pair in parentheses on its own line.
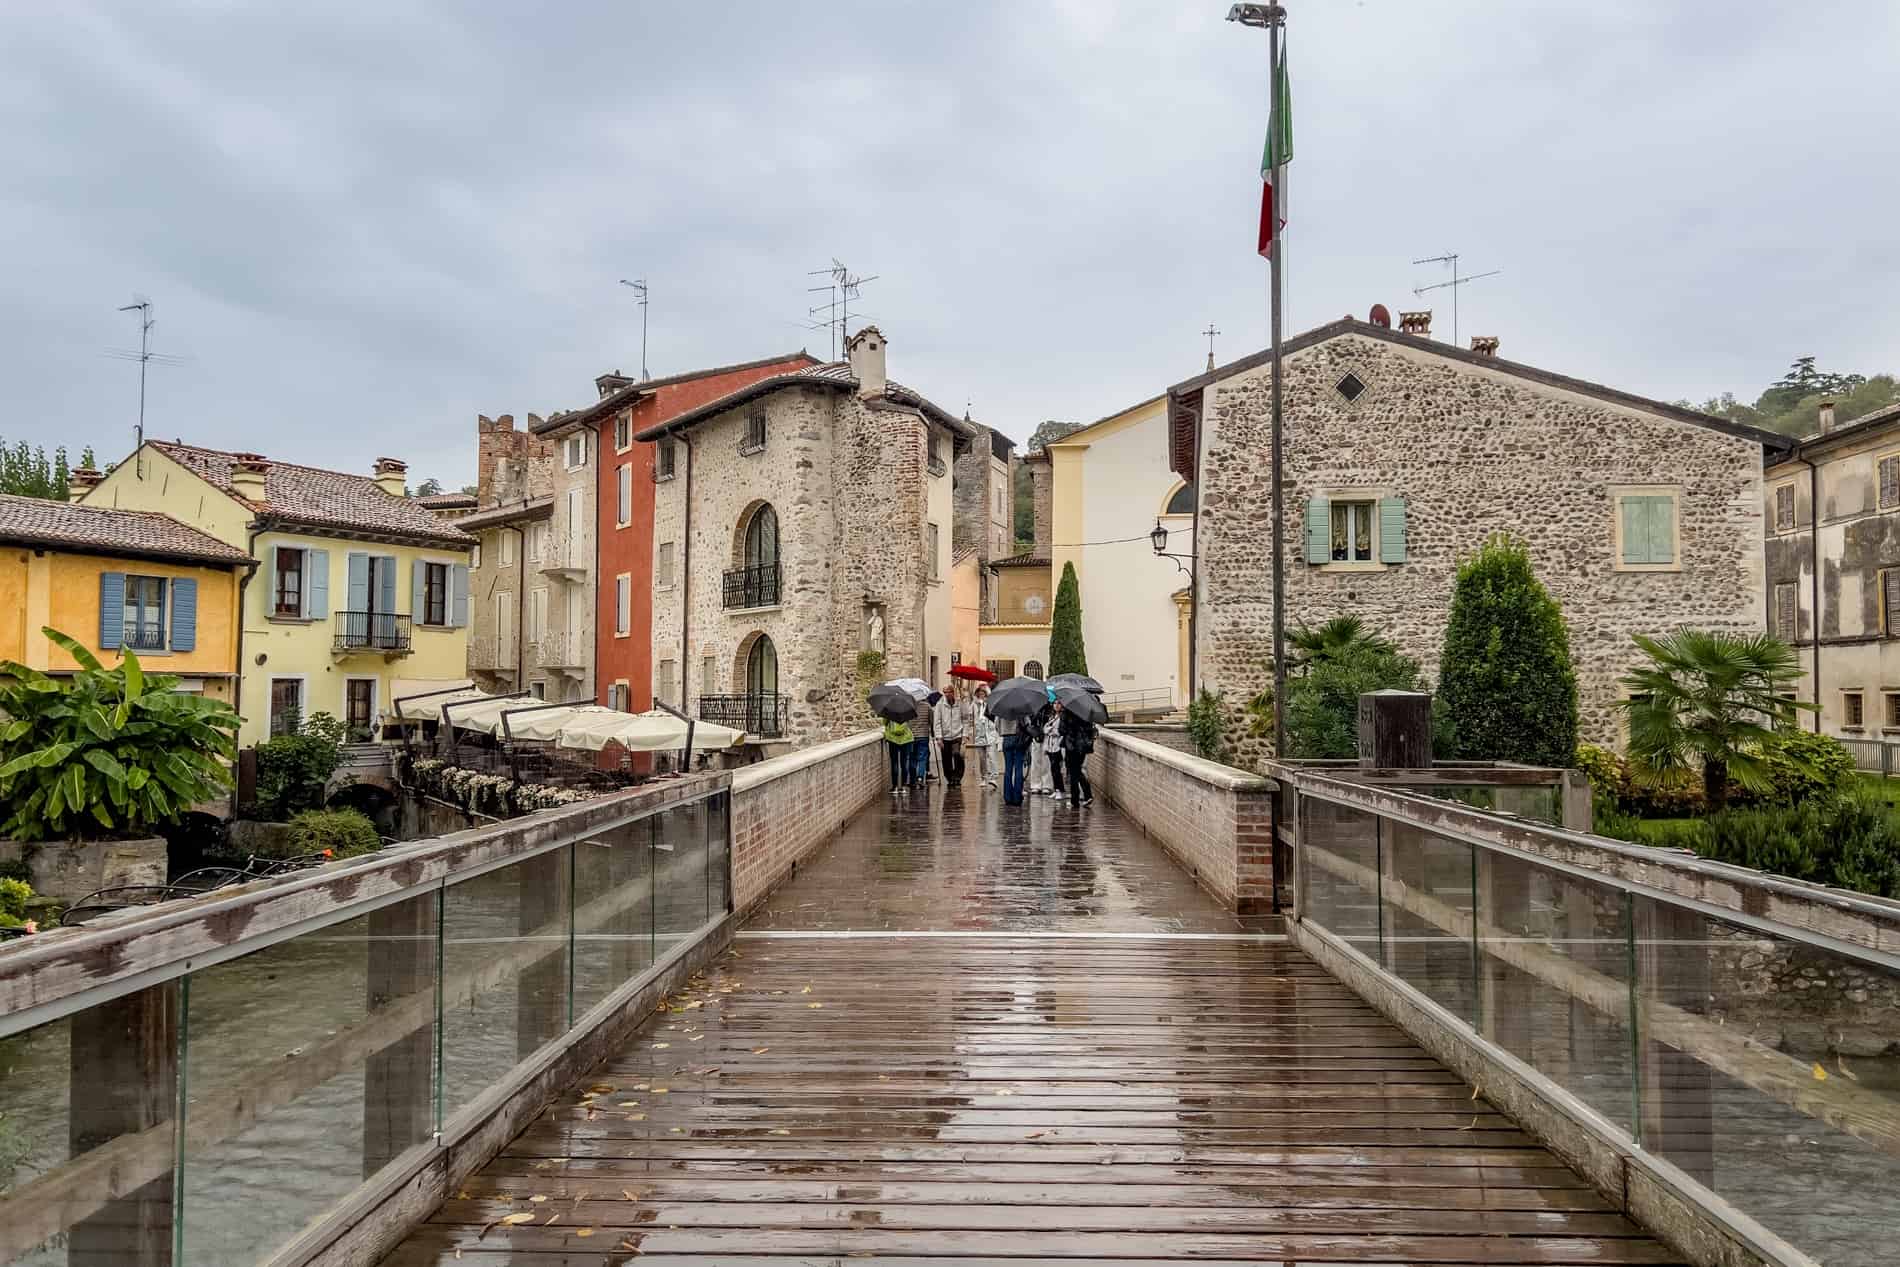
(874,630)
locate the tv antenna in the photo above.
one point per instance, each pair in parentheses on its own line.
(1210,332)
(1455,283)
(639,286)
(144,356)
(843,288)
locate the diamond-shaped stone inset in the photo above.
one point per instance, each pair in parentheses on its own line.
(1350,387)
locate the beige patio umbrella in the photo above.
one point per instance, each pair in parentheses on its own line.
(429,707)
(593,728)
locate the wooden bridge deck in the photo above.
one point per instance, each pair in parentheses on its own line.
(1008,1097)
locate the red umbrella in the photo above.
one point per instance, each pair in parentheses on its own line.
(972,672)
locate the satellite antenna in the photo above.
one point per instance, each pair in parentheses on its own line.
(1455,283)
(144,356)
(843,287)
(639,286)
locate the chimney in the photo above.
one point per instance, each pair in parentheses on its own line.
(1418,323)
(1484,344)
(609,383)
(1827,416)
(81,481)
(247,475)
(865,352)
(390,474)
(1042,498)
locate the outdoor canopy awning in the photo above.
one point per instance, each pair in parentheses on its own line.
(584,726)
(420,706)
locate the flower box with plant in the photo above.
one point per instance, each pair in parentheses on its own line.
(103,755)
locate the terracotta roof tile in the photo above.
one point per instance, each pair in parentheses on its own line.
(447,501)
(320,498)
(39,521)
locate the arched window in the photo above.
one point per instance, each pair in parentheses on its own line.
(761,668)
(754,582)
(1033,669)
(1182,503)
(761,538)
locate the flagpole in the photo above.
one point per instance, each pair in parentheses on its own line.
(1276,18)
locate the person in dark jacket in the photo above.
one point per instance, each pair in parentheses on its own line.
(1078,740)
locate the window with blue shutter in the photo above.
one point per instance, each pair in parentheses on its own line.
(184,613)
(111,610)
(1649,528)
(357,597)
(458,596)
(1319,530)
(316,584)
(1392,530)
(417,579)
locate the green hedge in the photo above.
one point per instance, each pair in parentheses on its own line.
(345,833)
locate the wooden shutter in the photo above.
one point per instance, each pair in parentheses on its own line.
(1662,529)
(111,610)
(1635,531)
(1319,530)
(458,596)
(1649,528)
(1890,602)
(1889,481)
(357,597)
(418,590)
(1787,612)
(184,613)
(316,584)
(387,582)
(1392,530)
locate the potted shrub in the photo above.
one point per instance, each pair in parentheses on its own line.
(91,765)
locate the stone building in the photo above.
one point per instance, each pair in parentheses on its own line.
(984,498)
(521,602)
(809,520)
(1404,454)
(1852,472)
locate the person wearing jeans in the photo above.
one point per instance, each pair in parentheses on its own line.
(946,720)
(1078,741)
(920,750)
(1016,739)
(898,739)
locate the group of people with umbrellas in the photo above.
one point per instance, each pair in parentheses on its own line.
(1039,733)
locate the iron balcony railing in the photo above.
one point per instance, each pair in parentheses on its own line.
(936,465)
(756,586)
(144,638)
(764,714)
(372,631)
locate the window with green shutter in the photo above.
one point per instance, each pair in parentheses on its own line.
(1648,529)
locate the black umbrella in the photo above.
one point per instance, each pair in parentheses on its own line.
(1080,680)
(1084,704)
(1018,698)
(892,703)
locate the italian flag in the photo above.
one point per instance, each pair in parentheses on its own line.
(1277,152)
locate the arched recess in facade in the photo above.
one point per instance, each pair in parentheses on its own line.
(755,536)
(755,666)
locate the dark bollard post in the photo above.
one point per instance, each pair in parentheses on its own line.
(1677,1089)
(124,1067)
(398,1081)
(1395,730)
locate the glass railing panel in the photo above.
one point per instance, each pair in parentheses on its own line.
(309,1066)
(679,875)
(100,1084)
(1339,872)
(1554,973)
(1426,900)
(1769,1071)
(719,853)
(1539,804)
(613,911)
(505,948)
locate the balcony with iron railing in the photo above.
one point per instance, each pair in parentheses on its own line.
(144,637)
(385,633)
(935,464)
(765,715)
(756,586)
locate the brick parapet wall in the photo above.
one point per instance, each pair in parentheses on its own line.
(785,808)
(1214,820)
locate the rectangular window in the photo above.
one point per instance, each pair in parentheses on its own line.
(1647,529)
(435,594)
(507,547)
(1853,710)
(663,566)
(754,440)
(504,629)
(1787,612)
(538,615)
(668,688)
(286,705)
(623,603)
(1890,482)
(359,708)
(708,676)
(539,690)
(1352,532)
(1784,507)
(931,536)
(932,679)
(623,433)
(144,613)
(287,588)
(1001,668)
(663,461)
(1892,699)
(574,451)
(620,697)
(475,556)
(623,495)
(1890,602)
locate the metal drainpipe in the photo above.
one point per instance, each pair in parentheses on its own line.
(1814,577)
(686,574)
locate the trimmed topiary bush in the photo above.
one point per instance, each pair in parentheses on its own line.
(1066,652)
(1507,684)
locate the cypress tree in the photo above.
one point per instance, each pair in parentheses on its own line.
(1507,684)
(1066,653)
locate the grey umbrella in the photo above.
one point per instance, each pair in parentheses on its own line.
(892,702)
(1082,680)
(1084,704)
(1018,698)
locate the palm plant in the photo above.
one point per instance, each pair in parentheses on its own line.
(1713,699)
(105,750)
(1334,640)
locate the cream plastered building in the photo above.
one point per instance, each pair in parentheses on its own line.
(1109,486)
(360,593)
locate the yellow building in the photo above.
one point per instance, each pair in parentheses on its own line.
(113,579)
(360,594)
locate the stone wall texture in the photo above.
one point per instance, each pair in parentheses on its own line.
(1472,451)
(1042,490)
(786,808)
(1215,820)
(846,477)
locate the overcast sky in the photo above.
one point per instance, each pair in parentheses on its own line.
(365,223)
